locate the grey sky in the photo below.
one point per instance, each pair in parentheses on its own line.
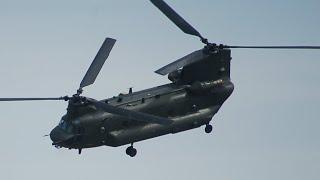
(268,129)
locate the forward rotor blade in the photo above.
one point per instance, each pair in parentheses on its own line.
(188,59)
(34,99)
(176,18)
(98,62)
(139,116)
(273,47)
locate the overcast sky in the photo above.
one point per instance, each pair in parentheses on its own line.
(267,129)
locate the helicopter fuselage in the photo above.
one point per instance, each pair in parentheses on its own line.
(190,101)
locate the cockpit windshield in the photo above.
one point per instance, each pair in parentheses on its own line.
(65,125)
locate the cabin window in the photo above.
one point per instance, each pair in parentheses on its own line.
(102,130)
(221,71)
(194,107)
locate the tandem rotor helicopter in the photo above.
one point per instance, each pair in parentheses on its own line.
(200,84)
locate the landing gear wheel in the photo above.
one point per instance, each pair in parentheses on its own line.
(131,151)
(208,128)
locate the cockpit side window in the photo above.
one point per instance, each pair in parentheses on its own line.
(66,126)
(63,124)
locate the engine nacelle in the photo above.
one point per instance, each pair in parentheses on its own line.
(175,76)
(204,87)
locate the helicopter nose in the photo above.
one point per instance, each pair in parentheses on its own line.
(58,135)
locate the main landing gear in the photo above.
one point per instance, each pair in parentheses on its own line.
(208,128)
(131,151)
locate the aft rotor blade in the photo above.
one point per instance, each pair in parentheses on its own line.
(188,59)
(98,62)
(273,47)
(34,99)
(138,116)
(176,18)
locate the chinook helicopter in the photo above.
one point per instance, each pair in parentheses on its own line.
(200,84)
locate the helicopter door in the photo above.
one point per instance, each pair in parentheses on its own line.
(103,131)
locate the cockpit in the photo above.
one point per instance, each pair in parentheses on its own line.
(66,126)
